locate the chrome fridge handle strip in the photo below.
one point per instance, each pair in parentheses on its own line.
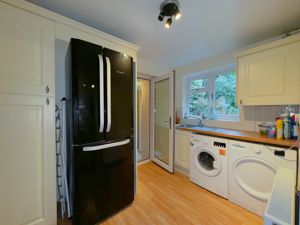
(108,87)
(101,94)
(110,145)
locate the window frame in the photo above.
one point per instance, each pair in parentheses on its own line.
(210,75)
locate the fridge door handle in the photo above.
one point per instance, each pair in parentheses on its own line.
(101,94)
(110,145)
(108,88)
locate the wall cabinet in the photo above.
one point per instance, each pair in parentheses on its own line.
(270,74)
(182,149)
(27,131)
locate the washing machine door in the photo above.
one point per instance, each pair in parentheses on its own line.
(207,162)
(254,176)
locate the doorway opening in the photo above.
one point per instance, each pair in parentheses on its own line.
(143,119)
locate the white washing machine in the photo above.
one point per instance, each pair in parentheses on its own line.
(208,163)
(252,171)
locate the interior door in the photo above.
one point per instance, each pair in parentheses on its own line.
(162,141)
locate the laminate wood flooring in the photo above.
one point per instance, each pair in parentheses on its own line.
(171,199)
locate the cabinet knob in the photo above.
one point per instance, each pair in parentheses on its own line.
(241,101)
(48,101)
(47,89)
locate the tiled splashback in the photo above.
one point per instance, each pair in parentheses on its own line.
(259,114)
(250,117)
(266,113)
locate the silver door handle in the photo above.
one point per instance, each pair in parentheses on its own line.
(110,145)
(108,87)
(101,94)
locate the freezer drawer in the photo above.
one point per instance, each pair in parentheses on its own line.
(103,182)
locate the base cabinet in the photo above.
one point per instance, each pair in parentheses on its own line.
(182,149)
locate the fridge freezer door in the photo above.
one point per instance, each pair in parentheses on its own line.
(87,92)
(104,182)
(120,81)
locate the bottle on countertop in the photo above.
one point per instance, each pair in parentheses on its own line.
(279,128)
(286,126)
(294,128)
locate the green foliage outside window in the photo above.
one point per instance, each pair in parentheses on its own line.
(198,104)
(225,91)
(222,104)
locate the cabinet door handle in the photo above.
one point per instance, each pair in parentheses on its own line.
(48,101)
(241,101)
(47,89)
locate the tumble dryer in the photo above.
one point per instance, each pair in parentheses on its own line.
(252,171)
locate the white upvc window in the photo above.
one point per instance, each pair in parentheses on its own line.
(212,94)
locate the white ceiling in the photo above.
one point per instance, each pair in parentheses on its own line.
(207,27)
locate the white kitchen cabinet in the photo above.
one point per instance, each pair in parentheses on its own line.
(27,160)
(27,130)
(27,52)
(270,74)
(182,149)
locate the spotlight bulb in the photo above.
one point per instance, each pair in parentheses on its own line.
(177,15)
(168,23)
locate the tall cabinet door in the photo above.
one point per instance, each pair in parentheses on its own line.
(27,52)
(27,134)
(27,160)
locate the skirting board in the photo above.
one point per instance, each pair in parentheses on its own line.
(143,162)
(182,170)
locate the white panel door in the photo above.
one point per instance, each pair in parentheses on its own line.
(27,161)
(27,52)
(162,126)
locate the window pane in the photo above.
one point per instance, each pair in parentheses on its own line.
(198,104)
(225,87)
(198,84)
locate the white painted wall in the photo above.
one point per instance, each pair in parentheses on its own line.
(249,116)
(147,67)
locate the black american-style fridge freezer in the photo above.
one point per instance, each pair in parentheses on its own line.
(100,131)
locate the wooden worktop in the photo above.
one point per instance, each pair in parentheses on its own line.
(242,135)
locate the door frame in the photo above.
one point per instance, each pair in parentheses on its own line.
(169,167)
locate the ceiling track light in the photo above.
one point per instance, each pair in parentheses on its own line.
(169,8)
